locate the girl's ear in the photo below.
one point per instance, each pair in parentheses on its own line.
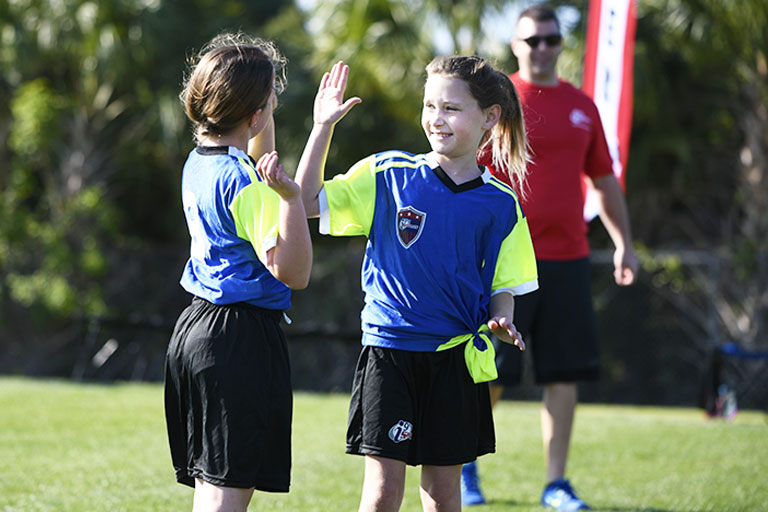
(492,116)
(255,118)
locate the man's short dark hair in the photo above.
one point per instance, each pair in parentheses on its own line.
(539,12)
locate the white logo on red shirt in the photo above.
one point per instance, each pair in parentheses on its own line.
(580,120)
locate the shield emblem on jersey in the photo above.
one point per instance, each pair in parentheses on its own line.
(410,223)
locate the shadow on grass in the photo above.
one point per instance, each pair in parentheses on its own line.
(528,504)
(632,509)
(510,503)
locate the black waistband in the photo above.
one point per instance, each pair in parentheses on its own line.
(274,314)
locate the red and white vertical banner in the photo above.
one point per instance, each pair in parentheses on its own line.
(608,76)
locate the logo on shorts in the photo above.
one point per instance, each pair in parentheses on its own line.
(401,431)
(410,223)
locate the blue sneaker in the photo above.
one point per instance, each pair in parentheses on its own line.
(470,485)
(559,495)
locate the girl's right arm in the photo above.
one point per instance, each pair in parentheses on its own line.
(328,110)
(290,261)
(501,311)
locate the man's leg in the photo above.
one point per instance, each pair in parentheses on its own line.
(556,426)
(471,493)
(496,391)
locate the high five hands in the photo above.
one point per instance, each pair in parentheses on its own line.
(506,331)
(329,108)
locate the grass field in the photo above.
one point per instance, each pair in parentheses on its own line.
(78,447)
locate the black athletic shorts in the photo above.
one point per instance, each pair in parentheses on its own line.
(228,399)
(558,325)
(421,408)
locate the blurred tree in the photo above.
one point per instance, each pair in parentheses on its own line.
(463,21)
(95,138)
(699,152)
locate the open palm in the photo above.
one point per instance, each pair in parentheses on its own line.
(506,331)
(330,106)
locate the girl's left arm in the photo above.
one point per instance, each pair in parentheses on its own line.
(501,312)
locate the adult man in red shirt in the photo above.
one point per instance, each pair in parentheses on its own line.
(567,141)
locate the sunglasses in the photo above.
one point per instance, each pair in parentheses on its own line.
(551,40)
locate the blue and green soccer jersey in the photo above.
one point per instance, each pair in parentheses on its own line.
(436,251)
(232,218)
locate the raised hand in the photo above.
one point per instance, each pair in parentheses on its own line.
(506,331)
(271,172)
(330,106)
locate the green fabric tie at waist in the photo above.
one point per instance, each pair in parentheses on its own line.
(479,354)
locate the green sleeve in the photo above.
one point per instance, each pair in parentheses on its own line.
(350,200)
(516,266)
(256,211)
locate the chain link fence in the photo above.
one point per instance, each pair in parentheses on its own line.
(661,339)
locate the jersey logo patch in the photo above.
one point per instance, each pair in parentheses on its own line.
(410,224)
(401,431)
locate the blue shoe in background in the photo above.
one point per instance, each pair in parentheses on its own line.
(470,485)
(559,495)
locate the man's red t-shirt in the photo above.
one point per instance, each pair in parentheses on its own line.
(566,137)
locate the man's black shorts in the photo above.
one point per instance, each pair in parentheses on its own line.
(421,408)
(558,325)
(228,400)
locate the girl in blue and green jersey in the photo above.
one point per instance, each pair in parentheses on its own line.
(448,249)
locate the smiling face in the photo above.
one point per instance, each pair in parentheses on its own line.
(452,119)
(537,64)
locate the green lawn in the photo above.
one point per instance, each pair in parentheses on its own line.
(75,447)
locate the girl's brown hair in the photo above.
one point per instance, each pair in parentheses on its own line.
(506,141)
(231,78)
